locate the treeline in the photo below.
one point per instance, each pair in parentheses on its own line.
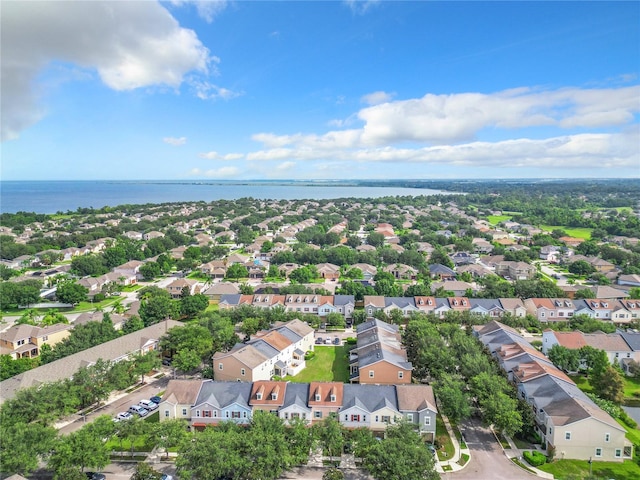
(464,376)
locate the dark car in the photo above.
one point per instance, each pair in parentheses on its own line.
(95,476)
(336,341)
(319,341)
(156,399)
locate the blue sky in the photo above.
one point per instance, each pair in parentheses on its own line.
(319,90)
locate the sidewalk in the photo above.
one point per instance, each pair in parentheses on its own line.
(515,452)
(452,464)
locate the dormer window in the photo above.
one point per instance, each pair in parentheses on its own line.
(274,396)
(259,396)
(332,398)
(317,397)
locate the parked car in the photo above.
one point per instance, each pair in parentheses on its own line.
(123,416)
(156,399)
(327,341)
(138,410)
(166,362)
(336,341)
(95,476)
(166,476)
(319,341)
(148,405)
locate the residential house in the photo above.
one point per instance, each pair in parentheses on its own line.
(178,398)
(550,309)
(441,272)
(278,351)
(221,402)
(401,271)
(328,271)
(513,306)
(217,290)
(141,341)
(25,341)
(379,357)
(565,417)
(417,404)
(325,399)
(632,280)
(176,287)
(516,270)
(215,268)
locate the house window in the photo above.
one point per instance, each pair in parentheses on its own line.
(410,417)
(286,415)
(332,398)
(346,418)
(376,418)
(607,437)
(215,413)
(567,435)
(259,396)
(20,342)
(317,414)
(427,421)
(45,338)
(400,375)
(206,414)
(598,452)
(355,418)
(220,366)
(317,397)
(274,396)
(184,412)
(304,416)
(197,413)
(235,414)
(386,419)
(244,414)
(618,453)
(242,372)
(166,413)
(370,373)
(226,414)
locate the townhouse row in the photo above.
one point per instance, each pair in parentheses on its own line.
(621,347)
(279,351)
(208,402)
(621,311)
(321,305)
(565,417)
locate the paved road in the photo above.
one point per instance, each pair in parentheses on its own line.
(120,405)
(488,461)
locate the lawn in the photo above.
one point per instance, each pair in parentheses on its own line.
(496,219)
(329,364)
(565,469)
(572,232)
(631,385)
(443,440)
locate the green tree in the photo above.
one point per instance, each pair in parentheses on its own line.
(191,305)
(236,271)
(335,319)
(454,399)
(144,363)
(71,292)
(170,433)
(375,239)
(581,267)
(609,384)
(564,358)
(23,446)
(81,449)
(145,472)
(150,270)
(157,307)
(401,455)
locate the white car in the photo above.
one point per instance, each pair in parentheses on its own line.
(148,404)
(137,409)
(123,416)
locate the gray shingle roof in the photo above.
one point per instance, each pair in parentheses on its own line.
(369,397)
(223,394)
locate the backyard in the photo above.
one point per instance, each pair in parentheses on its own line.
(329,364)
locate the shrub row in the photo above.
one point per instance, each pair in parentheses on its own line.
(534,458)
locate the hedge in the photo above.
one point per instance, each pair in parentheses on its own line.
(534,458)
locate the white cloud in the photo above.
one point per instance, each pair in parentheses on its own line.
(208,10)
(360,7)
(129,44)
(217,156)
(208,91)
(222,172)
(176,142)
(377,98)
(285,166)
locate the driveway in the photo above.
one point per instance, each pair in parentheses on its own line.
(488,461)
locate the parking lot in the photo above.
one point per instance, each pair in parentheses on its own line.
(342,336)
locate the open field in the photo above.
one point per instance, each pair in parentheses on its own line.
(584,233)
(329,364)
(496,219)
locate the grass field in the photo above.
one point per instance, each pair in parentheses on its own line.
(584,233)
(571,469)
(496,219)
(329,364)
(446,450)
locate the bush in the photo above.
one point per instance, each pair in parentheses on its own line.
(351,341)
(99,297)
(534,458)
(309,355)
